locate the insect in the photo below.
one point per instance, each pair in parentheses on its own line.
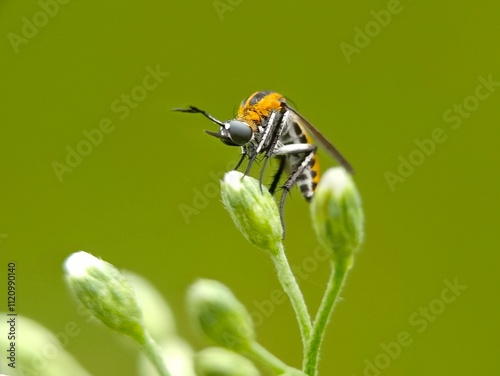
(266,125)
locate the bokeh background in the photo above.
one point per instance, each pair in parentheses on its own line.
(124,201)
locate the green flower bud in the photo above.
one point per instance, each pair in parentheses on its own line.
(158,318)
(220,315)
(175,353)
(253,210)
(216,361)
(105,292)
(337,213)
(37,351)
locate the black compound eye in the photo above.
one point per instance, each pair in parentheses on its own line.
(239,132)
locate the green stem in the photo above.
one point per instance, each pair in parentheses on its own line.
(289,284)
(152,352)
(335,283)
(270,362)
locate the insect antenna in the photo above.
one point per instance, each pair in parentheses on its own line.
(195,110)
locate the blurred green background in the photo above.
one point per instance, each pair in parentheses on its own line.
(373,96)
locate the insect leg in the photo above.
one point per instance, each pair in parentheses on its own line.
(274,141)
(290,149)
(251,159)
(242,158)
(277,175)
(268,132)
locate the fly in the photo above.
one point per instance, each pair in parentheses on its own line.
(267,126)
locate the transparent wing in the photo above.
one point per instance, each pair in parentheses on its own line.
(320,139)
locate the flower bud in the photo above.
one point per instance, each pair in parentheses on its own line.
(157,317)
(37,351)
(175,353)
(105,292)
(222,362)
(253,210)
(220,315)
(337,213)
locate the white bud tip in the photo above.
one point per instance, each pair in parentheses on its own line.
(233,178)
(78,263)
(336,179)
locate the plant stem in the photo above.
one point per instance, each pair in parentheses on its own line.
(152,352)
(289,284)
(270,362)
(335,283)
